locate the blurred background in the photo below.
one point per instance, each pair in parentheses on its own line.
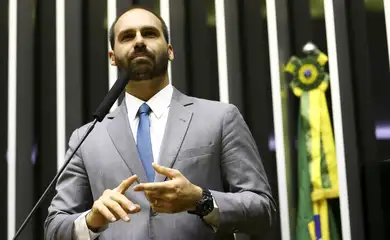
(54,71)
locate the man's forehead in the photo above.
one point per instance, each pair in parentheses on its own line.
(137,18)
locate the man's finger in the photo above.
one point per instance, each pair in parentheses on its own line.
(158,186)
(126,204)
(168,172)
(115,208)
(103,210)
(125,184)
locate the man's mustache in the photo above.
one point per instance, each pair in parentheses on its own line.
(141,53)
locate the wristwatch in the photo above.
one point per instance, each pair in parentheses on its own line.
(205,205)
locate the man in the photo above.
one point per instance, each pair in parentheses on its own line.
(162,165)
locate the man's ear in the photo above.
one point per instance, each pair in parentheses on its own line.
(112,58)
(171,55)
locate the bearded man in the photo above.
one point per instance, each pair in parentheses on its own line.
(163,165)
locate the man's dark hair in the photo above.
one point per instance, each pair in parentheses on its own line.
(163,24)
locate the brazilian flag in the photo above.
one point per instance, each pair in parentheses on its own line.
(317,166)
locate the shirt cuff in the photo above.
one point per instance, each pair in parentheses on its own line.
(213,218)
(81,230)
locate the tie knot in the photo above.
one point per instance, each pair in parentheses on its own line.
(144,108)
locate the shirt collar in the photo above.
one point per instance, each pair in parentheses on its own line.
(158,103)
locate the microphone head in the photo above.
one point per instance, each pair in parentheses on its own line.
(112,95)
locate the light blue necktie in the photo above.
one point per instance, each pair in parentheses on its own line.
(144,143)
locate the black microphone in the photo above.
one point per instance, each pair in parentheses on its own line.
(112,96)
(100,113)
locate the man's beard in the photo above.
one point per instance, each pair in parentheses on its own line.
(145,69)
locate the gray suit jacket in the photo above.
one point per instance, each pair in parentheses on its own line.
(207,141)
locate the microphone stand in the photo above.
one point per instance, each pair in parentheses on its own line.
(99,115)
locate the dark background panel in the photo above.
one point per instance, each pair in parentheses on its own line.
(379,65)
(288,104)
(256,88)
(123,5)
(380,83)
(233,54)
(151,4)
(44,153)
(74,66)
(4,115)
(361,33)
(301,27)
(178,28)
(202,50)
(25,138)
(351,152)
(95,72)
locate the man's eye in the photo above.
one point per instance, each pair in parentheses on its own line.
(127,36)
(149,34)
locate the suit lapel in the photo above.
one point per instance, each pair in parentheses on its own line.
(122,137)
(179,119)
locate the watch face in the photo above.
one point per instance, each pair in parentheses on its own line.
(206,205)
(209,206)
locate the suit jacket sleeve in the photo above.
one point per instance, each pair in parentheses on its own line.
(247,205)
(73,197)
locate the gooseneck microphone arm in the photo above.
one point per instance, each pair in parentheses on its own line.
(98,116)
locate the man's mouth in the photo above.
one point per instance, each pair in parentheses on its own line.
(140,56)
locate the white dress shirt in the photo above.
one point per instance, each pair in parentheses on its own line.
(159,105)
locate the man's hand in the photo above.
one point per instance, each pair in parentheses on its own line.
(112,206)
(173,196)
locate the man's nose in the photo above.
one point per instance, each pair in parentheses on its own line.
(139,40)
